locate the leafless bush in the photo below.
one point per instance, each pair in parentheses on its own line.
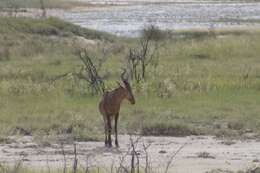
(134,155)
(89,73)
(75,162)
(146,54)
(15,169)
(47,164)
(147,168)
(154,33)
(12,8)
(133,166)
(64,158)
(42,5)
(17,166)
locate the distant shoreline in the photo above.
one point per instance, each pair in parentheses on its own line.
(135,2)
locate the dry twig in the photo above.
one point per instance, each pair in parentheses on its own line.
(173,156)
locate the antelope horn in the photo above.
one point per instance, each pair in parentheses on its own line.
(123,74)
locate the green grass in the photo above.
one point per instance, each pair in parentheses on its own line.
(202,85)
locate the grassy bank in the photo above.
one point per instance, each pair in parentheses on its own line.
(37,4)
(202,84)
(65,4)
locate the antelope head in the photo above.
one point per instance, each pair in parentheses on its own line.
(127,88)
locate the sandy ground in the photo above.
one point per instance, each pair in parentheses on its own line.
(199,154)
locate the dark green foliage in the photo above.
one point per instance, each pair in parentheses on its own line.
(154,33)
(166,129)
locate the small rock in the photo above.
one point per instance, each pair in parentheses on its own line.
(248,131)
(162,152)
(255,170)
(25,160)
(30,145)
(249,135)
(205,155)
(228,142)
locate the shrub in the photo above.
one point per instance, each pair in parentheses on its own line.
(234,125)
(167,129)
(154,33)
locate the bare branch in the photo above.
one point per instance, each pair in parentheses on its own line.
(75,163)
(140,58)
(147,163)
(90,73)
(58,77)
(87,163)
(48,165)
(64,158)
(44,13)
(173,156)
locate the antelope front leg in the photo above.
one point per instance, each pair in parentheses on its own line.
(106,130)
(116,118)
(109,131)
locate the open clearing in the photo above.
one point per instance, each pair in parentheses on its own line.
(200,154)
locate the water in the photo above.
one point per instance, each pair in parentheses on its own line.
(128,20)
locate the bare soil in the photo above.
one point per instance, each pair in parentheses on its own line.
(199,153)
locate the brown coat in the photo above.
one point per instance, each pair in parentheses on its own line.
(109,107)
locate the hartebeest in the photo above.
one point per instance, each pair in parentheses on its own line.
(109,107)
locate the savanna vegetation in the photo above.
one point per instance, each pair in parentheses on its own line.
(200,82)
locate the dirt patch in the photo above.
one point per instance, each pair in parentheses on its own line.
(200,154)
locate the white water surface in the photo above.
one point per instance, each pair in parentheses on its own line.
(128,20)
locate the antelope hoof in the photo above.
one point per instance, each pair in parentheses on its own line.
(108,146)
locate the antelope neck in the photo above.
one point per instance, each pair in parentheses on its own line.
(120,94)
